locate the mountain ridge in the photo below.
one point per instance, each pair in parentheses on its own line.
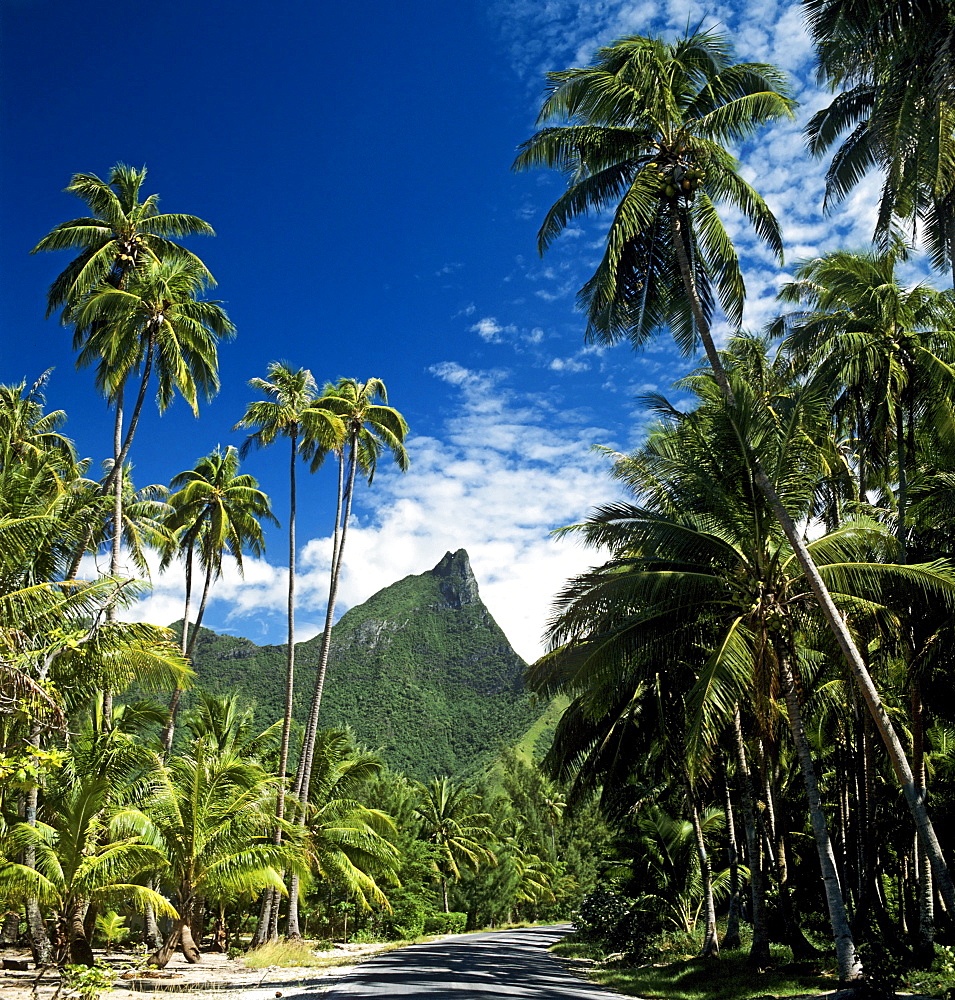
(421,671)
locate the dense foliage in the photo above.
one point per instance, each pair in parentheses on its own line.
(755,677)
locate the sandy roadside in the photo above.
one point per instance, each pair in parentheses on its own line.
(216,977)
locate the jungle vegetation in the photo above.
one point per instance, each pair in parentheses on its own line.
(757,752)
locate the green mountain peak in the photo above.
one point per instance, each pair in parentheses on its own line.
(420,671)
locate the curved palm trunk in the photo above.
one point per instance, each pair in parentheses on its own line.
(303,777)
(835,621)
(80,951)
(181,934)
(850,966)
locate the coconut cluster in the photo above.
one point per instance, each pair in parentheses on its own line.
(675,179)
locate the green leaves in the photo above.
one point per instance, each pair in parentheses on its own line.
(645,102)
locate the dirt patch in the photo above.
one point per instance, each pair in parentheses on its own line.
(216,976)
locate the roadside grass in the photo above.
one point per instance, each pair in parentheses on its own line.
(730,977)
(301,955)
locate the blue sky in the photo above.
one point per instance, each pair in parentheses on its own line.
(354,161)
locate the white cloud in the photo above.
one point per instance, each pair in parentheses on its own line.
(505,471)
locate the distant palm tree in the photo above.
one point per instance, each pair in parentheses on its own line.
(448,819)
(370,426)
(289,412)
(215,508)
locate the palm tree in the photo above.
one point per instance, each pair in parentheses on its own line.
(348,839)
(897,62)
(447,818)
(26,431)
(646,126)
(214,508)
(211,817)
(370,426)
(122,234)
(76,864)
(887,351)
(155,323)
(698,559)
(289,411)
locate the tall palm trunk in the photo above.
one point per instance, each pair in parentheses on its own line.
(711,944)
(170,727)
(830,612)
(850,966)
(731,938)
(303,777)
(759,947)
(267,928)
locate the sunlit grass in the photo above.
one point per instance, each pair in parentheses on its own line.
(301,955)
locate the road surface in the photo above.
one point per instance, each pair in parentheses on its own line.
(491,966)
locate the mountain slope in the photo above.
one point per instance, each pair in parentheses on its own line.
(421,670)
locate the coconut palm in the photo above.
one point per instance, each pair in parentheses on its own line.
(896,61)
(26,431)
(156,324)
(288,412)
(646,124)
(698,558)
(211,815)
(887,351)
(120,235)
(215,508)
(348,839)
(448,819)
(369,427)
(643,129)
(77,864)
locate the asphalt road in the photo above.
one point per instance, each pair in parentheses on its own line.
(510,963)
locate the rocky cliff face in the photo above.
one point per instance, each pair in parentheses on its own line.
(421,670)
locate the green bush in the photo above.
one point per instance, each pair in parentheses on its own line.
(445,923)
(618,923)
(406,920)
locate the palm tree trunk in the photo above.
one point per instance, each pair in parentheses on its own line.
(925,941)
(341,530)
(80,951)
(711,944)
(830,612)
(759,949)
(170,727)
(303,777)
(203,601)
(849,964)
(40,945)
(267,928)
(731,938)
